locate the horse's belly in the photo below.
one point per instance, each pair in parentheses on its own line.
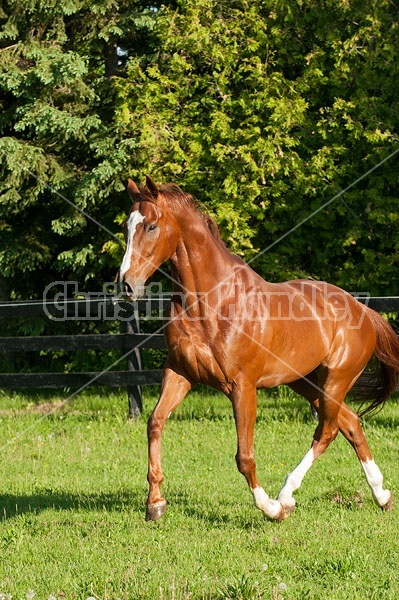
(281,371)
(291,357)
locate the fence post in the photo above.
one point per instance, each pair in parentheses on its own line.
(135,401)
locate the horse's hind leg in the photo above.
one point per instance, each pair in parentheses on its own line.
(328,402)
(350,427)
(310,388)
(244,405)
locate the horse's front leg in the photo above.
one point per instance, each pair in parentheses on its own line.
(245,404)
(174,389)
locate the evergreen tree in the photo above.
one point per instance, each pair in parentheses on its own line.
(63,159)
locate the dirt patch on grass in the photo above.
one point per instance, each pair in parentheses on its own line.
(42,408)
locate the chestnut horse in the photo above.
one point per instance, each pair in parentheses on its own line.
(230,329)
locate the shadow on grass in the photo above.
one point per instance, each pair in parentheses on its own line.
(233,514)
(180,505)
(12,505)
(214,519)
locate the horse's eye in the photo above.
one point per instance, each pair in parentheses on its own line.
(152,227)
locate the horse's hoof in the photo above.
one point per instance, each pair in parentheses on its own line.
(388,505)
(155,511)
(288,510)
(287,507)
(279,515)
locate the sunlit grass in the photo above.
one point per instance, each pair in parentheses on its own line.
(73,487)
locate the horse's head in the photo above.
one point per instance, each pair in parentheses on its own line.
(151,235)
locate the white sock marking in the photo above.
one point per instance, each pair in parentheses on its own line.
(271,508)
(374,479)
(134,219)
(294,479)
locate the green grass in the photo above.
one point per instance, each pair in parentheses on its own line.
(73,488)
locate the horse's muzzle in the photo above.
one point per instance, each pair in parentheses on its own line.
(130,292)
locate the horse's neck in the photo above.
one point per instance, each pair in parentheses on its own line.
(200,265)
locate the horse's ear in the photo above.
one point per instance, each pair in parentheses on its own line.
(151,186)
(132,189)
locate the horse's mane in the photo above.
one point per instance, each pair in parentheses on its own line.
(174,194)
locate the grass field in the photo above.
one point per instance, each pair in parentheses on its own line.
(73,487)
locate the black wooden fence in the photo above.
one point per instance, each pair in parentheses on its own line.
(130,341)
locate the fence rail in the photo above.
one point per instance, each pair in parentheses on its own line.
(101,307)
(105,306)
(77,380)
(101,341)
(129,342)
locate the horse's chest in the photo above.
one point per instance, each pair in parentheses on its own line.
(194,355)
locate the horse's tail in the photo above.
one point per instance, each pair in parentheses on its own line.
(380,378)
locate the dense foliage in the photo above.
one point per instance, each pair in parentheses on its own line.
(59,145)
(265,110)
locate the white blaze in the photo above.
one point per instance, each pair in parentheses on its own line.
(134,219)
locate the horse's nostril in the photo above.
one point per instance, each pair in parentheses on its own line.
(127,288)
